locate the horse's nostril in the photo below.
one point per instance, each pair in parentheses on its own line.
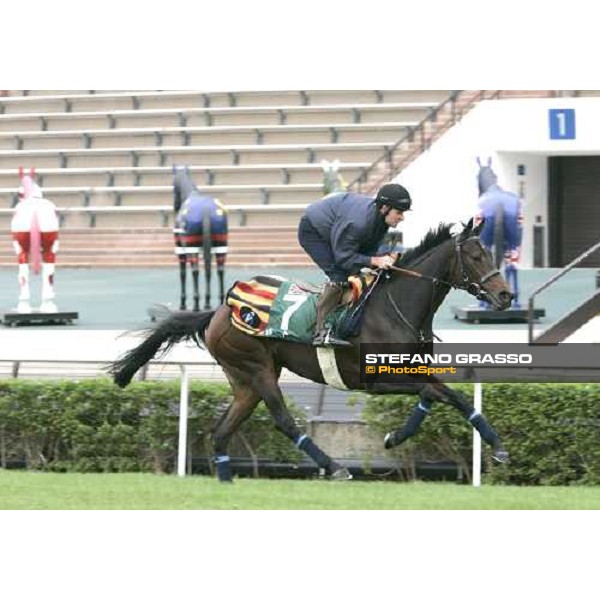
(506,296)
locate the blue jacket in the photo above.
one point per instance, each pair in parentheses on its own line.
(353,226)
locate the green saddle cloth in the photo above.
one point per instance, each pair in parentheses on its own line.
(293,315)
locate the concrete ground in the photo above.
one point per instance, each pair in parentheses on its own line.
(119,299)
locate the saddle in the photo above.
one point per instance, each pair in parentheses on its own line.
(273,307)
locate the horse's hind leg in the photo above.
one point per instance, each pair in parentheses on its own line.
(273,398)
(194,264)
(221,273)
(476,419)
(244,402)
(182,277)
(207,277)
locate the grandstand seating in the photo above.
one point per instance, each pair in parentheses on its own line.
(105,158)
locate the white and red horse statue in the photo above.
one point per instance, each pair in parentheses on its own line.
(34,230)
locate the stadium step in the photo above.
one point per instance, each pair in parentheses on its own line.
(153,246)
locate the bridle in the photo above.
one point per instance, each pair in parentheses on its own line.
(471,287)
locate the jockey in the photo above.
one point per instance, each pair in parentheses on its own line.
(342,233)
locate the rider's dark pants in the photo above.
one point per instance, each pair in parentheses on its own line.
(319,250)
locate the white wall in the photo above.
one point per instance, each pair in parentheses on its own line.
(443,181)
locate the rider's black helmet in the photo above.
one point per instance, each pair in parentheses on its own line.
(394,195)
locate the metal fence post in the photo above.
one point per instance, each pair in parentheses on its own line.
(183,422)
(477,439)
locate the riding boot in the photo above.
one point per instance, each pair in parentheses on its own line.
(328,301)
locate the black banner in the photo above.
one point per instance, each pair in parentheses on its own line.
(492,363)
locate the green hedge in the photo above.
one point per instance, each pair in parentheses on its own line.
(552,432)
(94,426)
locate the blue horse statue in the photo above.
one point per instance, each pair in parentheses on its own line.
(502,232)
(200,228)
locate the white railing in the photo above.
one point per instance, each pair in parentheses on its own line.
(184,404)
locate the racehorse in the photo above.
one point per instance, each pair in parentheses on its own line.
(400,309)
(503,229)
(200,227)
(34,229)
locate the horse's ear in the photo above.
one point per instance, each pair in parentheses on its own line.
(489,161)
(478,162)
(466,232)
(479,228)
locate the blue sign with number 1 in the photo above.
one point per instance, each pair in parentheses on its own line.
(562,123)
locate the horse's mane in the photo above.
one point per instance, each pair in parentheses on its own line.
(432,239)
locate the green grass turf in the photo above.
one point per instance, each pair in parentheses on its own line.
(27,490)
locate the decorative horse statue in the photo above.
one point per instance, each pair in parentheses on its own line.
(399,309)
(34,228)
(200,227)
(333,182)
(503,229)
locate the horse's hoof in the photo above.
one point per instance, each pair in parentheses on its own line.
(500,455)
(341,475)
(388,441)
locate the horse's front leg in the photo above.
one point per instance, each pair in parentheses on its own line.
(415,419)
(476,419)
(511,275)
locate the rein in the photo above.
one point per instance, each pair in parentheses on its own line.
(418,275)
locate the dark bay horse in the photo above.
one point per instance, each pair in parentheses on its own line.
(400,309)
(200,227)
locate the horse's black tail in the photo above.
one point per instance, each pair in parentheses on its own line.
(159,340)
